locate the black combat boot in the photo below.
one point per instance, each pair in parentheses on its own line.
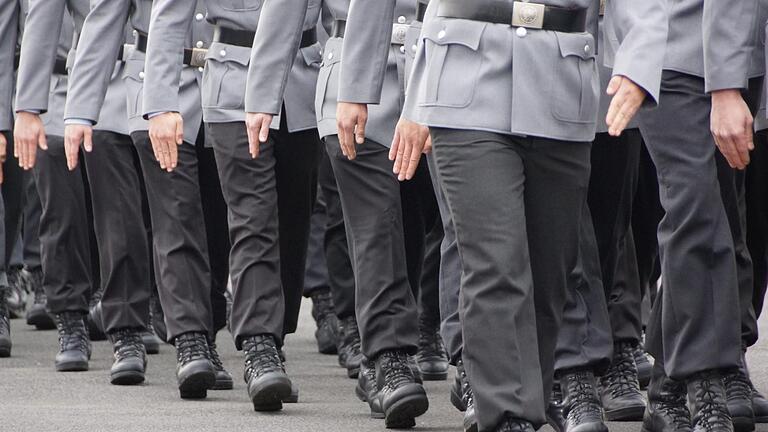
(95,322)
(759,406)
(195,373)
(402,398)
(514,425)
(148,338)
(555,417)
(581,403)
(644,366)
(268,384)
(351,346)
(457,392)
(327,333)
(432,357)
(130,357)
(37,315)
(467,399)
(74,345)
(619,388)
(224,380)
(5,324)
(738,392)
(157,319)
(366,389)
(667,407)
(17,294)
(709,406)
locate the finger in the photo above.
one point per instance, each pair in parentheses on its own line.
(173,155)
(251,139)
(88,140)
(264,131)
(25,154)
(1,174)
(398,165)
(159,152)
(413,162)
(69,142)
(42,141)
(405,158)
(613,109)
(428,145)
(360,130)
(727,148)
(348,143)
(395,145)
(614,85)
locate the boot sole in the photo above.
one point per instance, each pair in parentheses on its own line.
(434,376)
(457,402)
(152,348)
(761,420)
(471,428)
(743,424)
(223,385)
(73,366)
(127,378)
(360,393)
(5,351)
(402,414)
(269,395)
(196,385)
(633,413)
(327,349)
(40,319)
(353,373)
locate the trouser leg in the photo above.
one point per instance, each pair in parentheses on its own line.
(646,215)
(32,212)
(296,158)
(316,273)
(370,196)
(180,252)
(250,191)
(525,197)
(123,252)
(340,274)
(14,183)
(757,218)
(64,233)
(216,231)
(697,326)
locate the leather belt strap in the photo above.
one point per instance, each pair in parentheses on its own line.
(192,56)
(421,10)
(516,14)
(399,31)
(244,38)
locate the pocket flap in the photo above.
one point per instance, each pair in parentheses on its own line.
(223,53)
(455,31)
(576,44)
(332,53)
(312,54)
(133,67)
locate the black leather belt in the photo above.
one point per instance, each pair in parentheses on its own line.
(192,56)
(421,10)
(516,14)
(399,31)
(244,38)
(59,66)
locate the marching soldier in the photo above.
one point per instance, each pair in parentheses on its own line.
(370,196)
(115,193)
(259,183)
(177,199)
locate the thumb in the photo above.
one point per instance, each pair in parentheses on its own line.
(42,141)
(179,133)
(614,85)
(88,140)
(264,130)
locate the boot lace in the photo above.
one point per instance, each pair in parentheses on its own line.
(394,365)
(621,377)
(261,357)
(431,344)
(215,359)
(514,425)
(583,405)
(127,343)
(737,386)
(712,413)
(466,390)
(72,332)
(352,336)
(191,346)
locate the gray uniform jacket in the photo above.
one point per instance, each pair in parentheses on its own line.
(267,77)
(466,83)
(224,78)
(101,39)
(39,49)
(9,31)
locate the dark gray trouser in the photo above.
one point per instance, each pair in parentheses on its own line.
(646,215)
(757,218)
(340,275)
(180,250)
(316,273)
(13,187)
(124,260)
(517,205)
(386,310)
(450,274)
(612,188)
(216,231)
(296,157)
(31,232)
(422,231)
(585,340)
(695,324)
(250,190)
(64,230)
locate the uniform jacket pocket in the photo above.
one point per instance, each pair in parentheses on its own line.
(576,84)
(325,96)
(225,74)
(134,85)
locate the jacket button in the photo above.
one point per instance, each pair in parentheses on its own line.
(414,47)
(521,32)
(330,56)
(200,69)
(199,16)
(402,49)
(199,44)
(441,34)
(587,49)
(401,19)
(223,53)
(141,75)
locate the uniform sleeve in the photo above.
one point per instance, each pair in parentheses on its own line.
(171,21)
(727,31)
(98,48)
(38,54)
(366,49)
(640,28)
(271,61)
(9,24)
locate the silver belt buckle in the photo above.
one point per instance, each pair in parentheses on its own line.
(128,50)
(198,57)
(529,15)
(602,7)
(399,31)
